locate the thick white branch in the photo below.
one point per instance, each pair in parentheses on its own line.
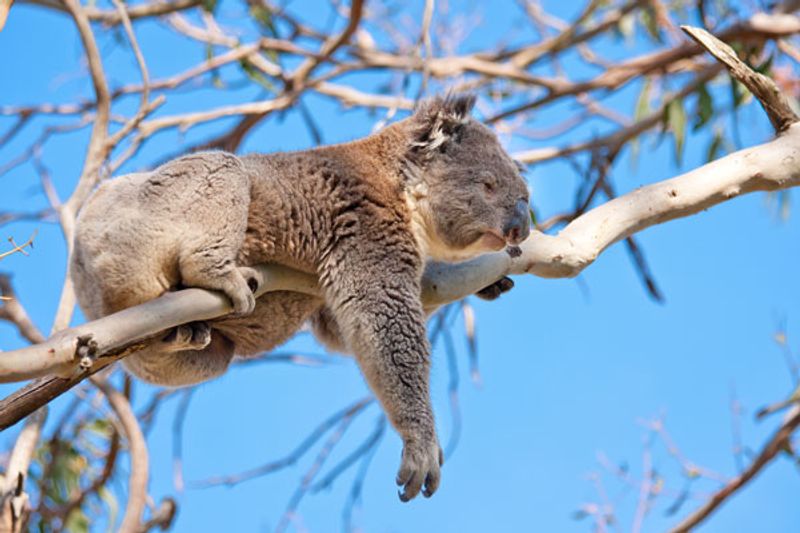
(770,166)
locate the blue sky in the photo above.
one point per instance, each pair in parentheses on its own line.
(569,368)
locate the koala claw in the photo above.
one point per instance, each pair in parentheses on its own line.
(420,469)
(493,291)
(252,277)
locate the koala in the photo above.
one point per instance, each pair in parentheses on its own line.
(363,216)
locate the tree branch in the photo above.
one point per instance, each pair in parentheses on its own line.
(771,449)
(763,88)
(14,506)
(13,311)
(112,17)
(137,449)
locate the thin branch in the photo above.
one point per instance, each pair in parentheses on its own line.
(14,506)
(177,439)
(112,17)
(777,443)
(775,104)
(97,150)
(18,248)
(137,450)
(13,311)
(322,456)
(615,140)
(330,46)
(345,414)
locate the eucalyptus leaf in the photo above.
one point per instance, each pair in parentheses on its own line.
(676,120)
(705,107)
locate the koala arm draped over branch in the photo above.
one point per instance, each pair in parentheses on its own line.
(362,216)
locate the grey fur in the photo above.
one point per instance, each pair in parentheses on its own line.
(363,216)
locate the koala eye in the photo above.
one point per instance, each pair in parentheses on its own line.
(488,185)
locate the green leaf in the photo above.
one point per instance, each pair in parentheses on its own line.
(112,504)
(676,120)
(216,80)
(77,522)
(263,16)
(705,108)
(643,102)
(256,75)
(642,108)
(739,93)
(101,427)
(651,24)
(715,149)
(765,67)
(209,5)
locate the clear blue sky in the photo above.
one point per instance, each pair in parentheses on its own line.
(569,368)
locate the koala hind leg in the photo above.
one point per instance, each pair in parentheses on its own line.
(188,354)
(213,229)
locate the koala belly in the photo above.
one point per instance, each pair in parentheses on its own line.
(276,318)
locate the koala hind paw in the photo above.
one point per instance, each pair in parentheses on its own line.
(191,336)
(493,291)
(420,469)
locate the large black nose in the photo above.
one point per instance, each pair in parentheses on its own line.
(518,226)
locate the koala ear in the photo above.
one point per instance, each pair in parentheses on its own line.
(437,120)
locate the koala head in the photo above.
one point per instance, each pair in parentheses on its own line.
(466,189)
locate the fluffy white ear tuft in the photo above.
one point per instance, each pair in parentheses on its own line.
(437,120)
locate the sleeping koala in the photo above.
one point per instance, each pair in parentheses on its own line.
(363,216)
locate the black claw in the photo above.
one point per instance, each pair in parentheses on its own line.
(171,335)
(402,496)
(199,330)
(252,283)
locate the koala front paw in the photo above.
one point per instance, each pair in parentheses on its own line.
(420,469)
(493,291)
(243,283)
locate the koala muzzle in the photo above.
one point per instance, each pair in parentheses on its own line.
(518,226)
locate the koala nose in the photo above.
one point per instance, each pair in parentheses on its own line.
(519,225)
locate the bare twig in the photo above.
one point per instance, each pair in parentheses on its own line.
(12,311)
(112,17)
(18,248)
(137,449)
(345,414)
(779,440)
(14,506)
(763,88)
